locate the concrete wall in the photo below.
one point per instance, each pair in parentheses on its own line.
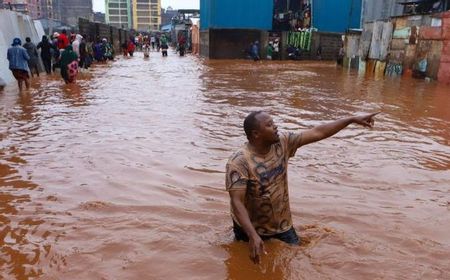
(204,43)
(13,25)
(231,43)
(330,42)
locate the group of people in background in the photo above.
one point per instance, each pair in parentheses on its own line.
(68,53)
(145,44)
(272,50)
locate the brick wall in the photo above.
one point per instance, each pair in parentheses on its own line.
(330,42)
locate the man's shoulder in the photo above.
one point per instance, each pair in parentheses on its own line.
(238,157)
(289,135)
(238,154)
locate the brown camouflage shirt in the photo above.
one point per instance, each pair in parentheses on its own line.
(265,180)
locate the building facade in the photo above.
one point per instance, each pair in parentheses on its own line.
(71,10)
(167,15)
(20,6)
(118,13)
(146,15)
(99,17)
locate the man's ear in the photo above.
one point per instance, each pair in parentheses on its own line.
(255,134)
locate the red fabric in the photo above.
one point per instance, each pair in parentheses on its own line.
(182,40)
(63,41)
(131,47)
(72,71)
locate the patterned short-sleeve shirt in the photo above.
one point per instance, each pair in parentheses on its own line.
(264,178)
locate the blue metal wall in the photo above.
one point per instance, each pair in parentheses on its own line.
(336,15)
(236,14)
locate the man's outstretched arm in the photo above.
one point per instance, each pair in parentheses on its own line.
(326,130)
(256,245)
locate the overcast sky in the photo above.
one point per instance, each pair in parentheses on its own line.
(99,5)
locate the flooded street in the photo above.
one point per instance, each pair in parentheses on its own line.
(122,176)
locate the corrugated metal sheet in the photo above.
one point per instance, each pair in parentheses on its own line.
(236,14)
(352,45)
(374,10)
(336,15)
(366,39)
(385,40)
(375,46)
(381,38)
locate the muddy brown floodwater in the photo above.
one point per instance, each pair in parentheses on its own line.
(122,176)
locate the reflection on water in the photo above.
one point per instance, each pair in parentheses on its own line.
(122,174)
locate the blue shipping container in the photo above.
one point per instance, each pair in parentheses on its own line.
(336,15)
(236,14)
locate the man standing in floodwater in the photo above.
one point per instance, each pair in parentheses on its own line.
(256,178)
(18,63)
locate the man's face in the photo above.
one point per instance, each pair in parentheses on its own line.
(268,131)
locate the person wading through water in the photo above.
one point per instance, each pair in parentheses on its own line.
(256,178)
(34,56)
(46,53)
(69,65)
(18,63)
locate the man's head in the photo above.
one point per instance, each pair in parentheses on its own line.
(28,39)
(64,31)
(16,42)
(259,127)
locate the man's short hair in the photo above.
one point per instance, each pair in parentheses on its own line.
(251,123)
(28,39)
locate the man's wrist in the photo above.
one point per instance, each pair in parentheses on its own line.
(254,236)
(351,119)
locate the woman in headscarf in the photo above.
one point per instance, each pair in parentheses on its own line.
(69,65)
(18,63)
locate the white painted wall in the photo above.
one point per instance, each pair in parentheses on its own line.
(12,25)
